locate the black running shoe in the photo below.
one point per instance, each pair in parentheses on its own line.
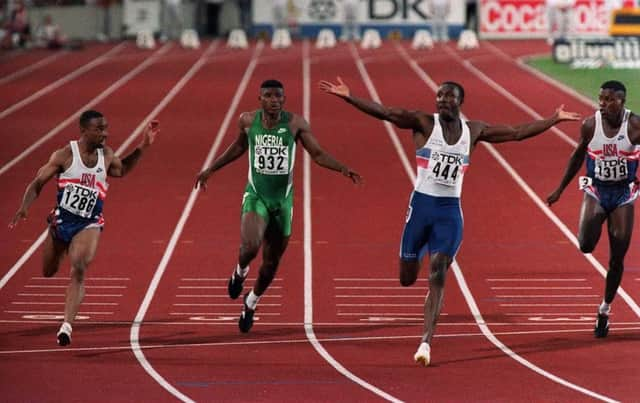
(246,317)
(602,326)
(235,286)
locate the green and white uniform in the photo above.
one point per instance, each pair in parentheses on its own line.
(269,192)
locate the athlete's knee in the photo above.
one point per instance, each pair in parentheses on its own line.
(438,276)
(78,269)
(249,249)
(586,245)
(50,269)
(616,265)
(408,272)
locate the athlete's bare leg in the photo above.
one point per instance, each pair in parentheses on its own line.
(620,227)
(592,215)
(252,228)
(273,248)
(52,256)
(438,265)
(81,252)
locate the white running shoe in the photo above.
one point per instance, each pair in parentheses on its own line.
(64,334)
(423,355)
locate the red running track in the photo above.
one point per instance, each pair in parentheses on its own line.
(166,252)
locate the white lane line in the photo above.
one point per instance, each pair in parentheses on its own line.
(520,62)
(221,279)
(308,255)
(59,312)
(61,81)
(87,279)
(549,296)
(463,284)
(216,287)
(537,279)
(373,279)
(88,295)
(228,304)
(64,286)
(541,288)
(28,69)
(134,335)
(376,339)
(62,303)
(94,101)
(370,288)
(223,295)
(549,305)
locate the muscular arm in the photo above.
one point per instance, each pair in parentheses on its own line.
(402,118)
(501,134)
(45,173)
(232,153)
(575,161)
(634,129)
(319,155)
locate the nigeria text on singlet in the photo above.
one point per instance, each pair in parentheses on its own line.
(441,166)
(271,157)
(81,189)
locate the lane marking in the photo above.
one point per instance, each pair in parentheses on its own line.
(28,69)
(61,81)
(308,255)
(134,335)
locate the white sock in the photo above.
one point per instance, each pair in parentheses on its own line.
(252,300)
(604,308)
(65,328)
(242,272)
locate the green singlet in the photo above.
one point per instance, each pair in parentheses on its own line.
(269,192)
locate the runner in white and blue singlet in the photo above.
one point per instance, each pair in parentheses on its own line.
(443,144)
(75,224)
(609,147)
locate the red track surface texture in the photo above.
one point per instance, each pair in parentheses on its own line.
(156,324)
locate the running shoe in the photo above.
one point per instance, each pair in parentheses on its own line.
(602,326)
(246,317)
(423,355)
(64,334)
(235,285)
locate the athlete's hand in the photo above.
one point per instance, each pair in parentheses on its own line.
(561,115)
(20,215)
(340,89)
(354,176)
(201,180)
(150,132)
(554,197)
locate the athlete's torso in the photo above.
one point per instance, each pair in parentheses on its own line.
(82,189)
(612,160)
(441,166)
(271,157)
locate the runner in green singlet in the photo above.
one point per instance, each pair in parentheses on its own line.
(270,134)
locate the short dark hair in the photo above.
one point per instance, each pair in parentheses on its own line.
(87,115)
(458,86)
(614,86)
(271,84)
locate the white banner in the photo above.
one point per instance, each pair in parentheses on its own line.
(140,15)
(369,12)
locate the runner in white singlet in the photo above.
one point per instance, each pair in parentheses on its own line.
(81,168)
(443,143)
(608,145)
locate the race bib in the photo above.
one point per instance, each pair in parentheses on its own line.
(584,182)
(611,169)
(445,168)
(271,160)
(79,200)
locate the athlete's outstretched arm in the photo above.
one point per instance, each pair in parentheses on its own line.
(501,134)
(575,161)
(120,167)
(318,155)
(232,153)
(45,173)
(402,118)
